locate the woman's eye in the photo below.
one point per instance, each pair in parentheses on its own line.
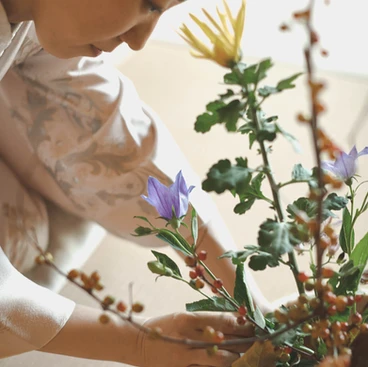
(153,8)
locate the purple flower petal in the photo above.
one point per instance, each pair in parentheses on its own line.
(354,153)
(345,166)
(363,152)
(165,199)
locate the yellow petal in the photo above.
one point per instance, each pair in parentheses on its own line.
(194,41)
(229,15)
(205,28)
(239,27)
(215,24)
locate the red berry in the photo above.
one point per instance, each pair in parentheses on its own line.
(356,318)
(190,261)
(303,277)
(358,298)
(241,320)
(242,310)
(199,270)
(218,283)
(214,290)
(202,255)
(192,274)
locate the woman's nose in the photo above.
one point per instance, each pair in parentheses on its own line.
(138,36)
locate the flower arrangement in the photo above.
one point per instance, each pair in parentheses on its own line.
(322,326)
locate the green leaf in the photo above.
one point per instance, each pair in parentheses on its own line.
(290,138)
(251,194)
(300,173)
(359,256)
(262,260)
(247,128)
(230,114)
(194,226)
(174,241)
(275,237)
(349,277)
(213,304)
(345,232)
(143,231)
(239,257)
(335,202)
(266,91)
(229,93)
(223,176)
(208,119)
(288,336)
(241,291)
(287,83)
(167,262)
(143,218)
(234,77)
(259,318)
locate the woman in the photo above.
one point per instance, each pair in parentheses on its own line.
(74,132)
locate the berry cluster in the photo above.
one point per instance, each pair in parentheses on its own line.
(197,273)
(317,316)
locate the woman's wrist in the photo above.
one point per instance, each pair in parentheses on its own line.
(84,336)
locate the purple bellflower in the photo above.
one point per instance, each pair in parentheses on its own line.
(345,165)
(170,202)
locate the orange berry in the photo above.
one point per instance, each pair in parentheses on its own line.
(190,261)
(341,303)
(329,297)
(219,337)
(104,319)
(331,310)
(364,328)
(73,274)
(284,27)
(137,307)
(121,306)
(303,277)
(199,284)
(192,274)
(327,273)
(209,333)
(108,301)
(95,276)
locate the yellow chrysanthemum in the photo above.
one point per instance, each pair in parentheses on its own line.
(225,43)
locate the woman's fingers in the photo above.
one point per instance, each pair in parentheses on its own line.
(200,357)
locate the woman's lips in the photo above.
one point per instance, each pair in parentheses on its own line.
(96,51)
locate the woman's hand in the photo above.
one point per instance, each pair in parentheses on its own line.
(158,353)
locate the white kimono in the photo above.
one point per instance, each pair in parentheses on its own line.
(74,132)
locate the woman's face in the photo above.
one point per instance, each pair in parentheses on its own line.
(71,28)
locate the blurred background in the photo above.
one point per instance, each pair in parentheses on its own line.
(178,87)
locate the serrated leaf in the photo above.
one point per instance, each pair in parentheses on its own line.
(287,83)
(275,237)
(241,291)
(223,176)
(213,304)
(229,93)
(167,262)
(244,206)
(230,114)
(262,260)
(208,119)
(300,173)
(260,354)
(239,257)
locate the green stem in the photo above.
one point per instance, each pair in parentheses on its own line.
(198,290)
(350,234)
(276,197)
(280,185)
